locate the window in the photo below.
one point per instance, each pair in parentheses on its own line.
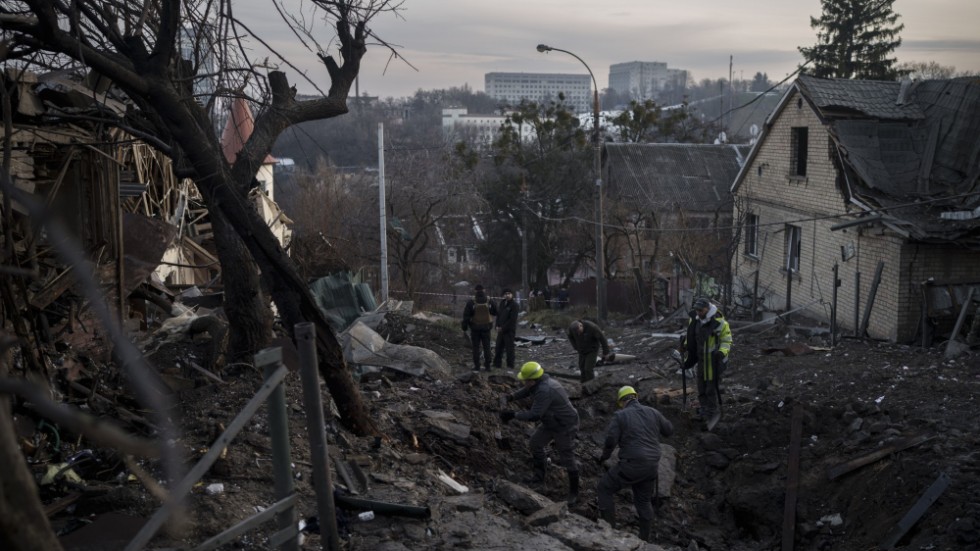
(793,239)
(799,140)
(751,235)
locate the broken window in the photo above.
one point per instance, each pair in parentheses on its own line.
(793,240)
(752,235)
(799,141)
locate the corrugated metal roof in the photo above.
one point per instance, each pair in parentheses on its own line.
(870,98)
(693,177)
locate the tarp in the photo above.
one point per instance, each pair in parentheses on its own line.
(370,352)
(342,299)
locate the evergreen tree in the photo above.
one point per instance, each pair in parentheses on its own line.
(854,40)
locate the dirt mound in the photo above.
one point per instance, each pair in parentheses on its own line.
(878,424)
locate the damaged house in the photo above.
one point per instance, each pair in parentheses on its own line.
(655,186)
(874,182)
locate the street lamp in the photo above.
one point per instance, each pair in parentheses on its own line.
(600,259)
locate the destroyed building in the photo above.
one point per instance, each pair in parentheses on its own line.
(859,204)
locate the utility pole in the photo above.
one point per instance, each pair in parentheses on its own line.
(381,212)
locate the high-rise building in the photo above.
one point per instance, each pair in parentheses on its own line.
(645,79)
(513,87)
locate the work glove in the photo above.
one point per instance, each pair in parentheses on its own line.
(690,362)
(609,357)
(506,415)
(601,459)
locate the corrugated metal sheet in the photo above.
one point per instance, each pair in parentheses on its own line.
(692,177)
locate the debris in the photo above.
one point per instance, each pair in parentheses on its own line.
(452,484)
(917,510)
(214,489)
(849,466)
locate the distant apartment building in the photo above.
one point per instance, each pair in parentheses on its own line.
(514,87)
(645,79)
(457,124)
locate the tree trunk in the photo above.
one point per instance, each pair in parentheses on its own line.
(292,297)
(23,524)
(249,316)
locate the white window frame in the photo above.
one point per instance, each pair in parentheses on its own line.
(792,244)
(752,235)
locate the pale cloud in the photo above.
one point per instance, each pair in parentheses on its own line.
(455,42)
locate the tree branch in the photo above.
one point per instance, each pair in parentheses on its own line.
(98,430)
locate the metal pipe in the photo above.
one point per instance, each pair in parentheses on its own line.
(383,508)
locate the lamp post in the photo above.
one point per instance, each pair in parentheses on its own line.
(600,259)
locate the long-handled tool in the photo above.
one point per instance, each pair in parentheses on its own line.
(676,354)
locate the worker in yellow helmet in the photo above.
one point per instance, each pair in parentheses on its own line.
(636,429)
(558,422)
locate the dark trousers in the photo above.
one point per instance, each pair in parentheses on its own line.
(641,477)
(505,343)
(480,339)
(586,365)
(708,395)
(564,439)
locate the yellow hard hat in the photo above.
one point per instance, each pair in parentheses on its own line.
(624,392)
(530,371)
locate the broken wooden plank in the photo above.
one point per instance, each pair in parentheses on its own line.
(849,466)
(792,478)
(344,471)
(863,331)
(915,513)
(52,290)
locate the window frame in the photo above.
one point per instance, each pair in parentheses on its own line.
(799,151)
(751,235)
(791,248)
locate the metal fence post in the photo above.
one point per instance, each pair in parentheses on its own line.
(315,426)
(271,360)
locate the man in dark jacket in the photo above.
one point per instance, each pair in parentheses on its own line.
(636,430)
(559,422)
(708,343)
(478,320)
(506,329)
(586,338)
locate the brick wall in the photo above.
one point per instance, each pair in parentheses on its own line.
(813,203)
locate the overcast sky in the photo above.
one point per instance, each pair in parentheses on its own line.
(454,42)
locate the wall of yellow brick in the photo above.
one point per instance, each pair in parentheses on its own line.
(815,204)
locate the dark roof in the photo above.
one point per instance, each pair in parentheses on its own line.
(932,163)
(864,98)
(692,177)
(910,148)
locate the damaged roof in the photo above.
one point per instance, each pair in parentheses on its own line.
(909,149)
(928,161)
(693,177)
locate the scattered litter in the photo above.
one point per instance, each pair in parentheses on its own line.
(215,489)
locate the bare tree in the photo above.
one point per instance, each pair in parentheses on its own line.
(176,61)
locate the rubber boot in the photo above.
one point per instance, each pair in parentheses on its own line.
(645,532)
(608,516)
(572,488)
